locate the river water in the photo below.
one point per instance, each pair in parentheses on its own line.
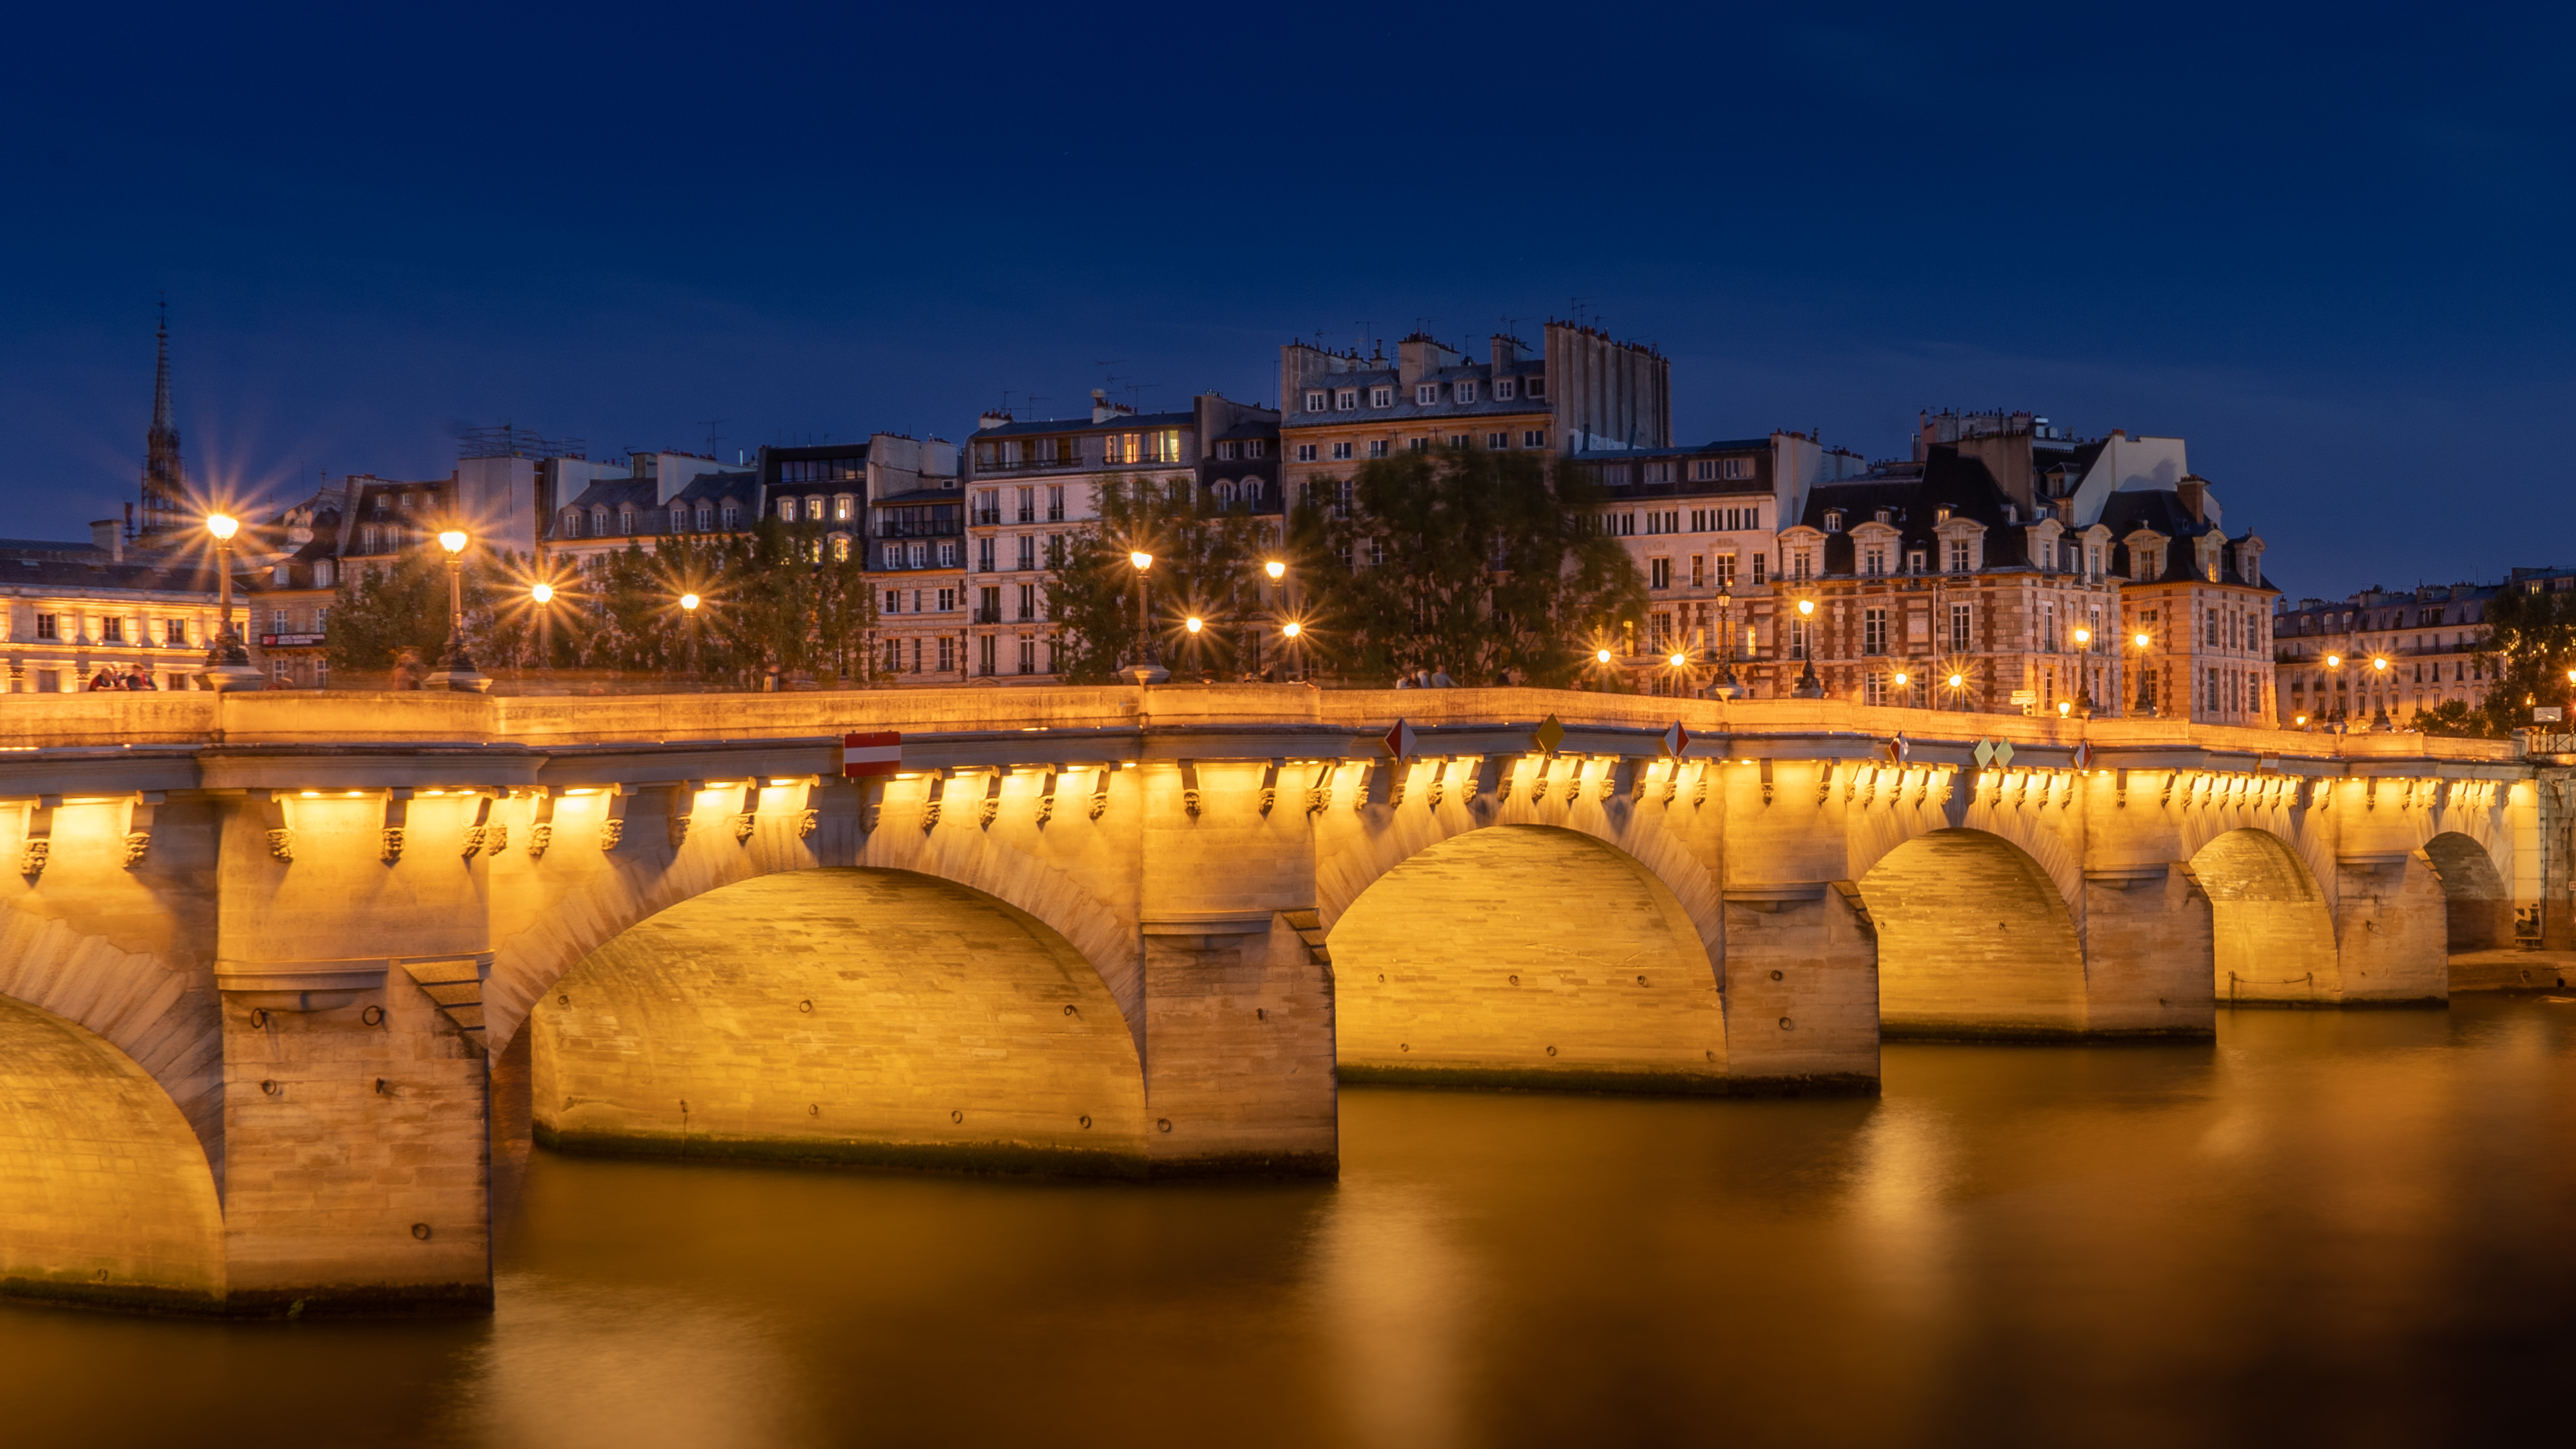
(2331,1227)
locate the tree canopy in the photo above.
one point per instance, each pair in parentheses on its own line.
(1206,565)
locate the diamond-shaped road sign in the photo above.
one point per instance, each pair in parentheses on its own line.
(1548,735)
(1676,740)
(2003,753)
(1985,753)
(1400,740)
(869,755)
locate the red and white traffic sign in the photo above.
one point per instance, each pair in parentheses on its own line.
(1400,741)
(863,756)
(1676,740)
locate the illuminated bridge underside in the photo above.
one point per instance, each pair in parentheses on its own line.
(1973,940)
(1523,955)
(105,1194)
(845,1016)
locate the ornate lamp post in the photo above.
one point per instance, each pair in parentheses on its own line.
(2379,712)
(1193,625)
(228,664)
(2146,705)
(1278,572)
(1144,668)
(1726,687)
(689,616)
(1809,686)
(458,669)
(1292,632)
(542,594)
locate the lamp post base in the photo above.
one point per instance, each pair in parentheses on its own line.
(227,677)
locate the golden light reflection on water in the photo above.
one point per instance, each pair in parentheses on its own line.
(2323,1228)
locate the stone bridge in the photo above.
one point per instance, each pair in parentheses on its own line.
(273,964)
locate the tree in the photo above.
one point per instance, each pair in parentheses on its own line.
(1484,565)
(2530,645)
(1203,566)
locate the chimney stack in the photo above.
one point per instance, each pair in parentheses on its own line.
(2193,492)
(107,535)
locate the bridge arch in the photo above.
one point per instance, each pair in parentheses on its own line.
(587,897)
(1525,954)
(847,1014)
(105,1193)
(1974,938)
(2272,928)
(2478,900)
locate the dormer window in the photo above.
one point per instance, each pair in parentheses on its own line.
(732,514)
(679,520)
(1252,448)
(1885,515)
(1833,520)
(1426,394)
(1503,389)
(1941,514)
(1347,399)
(1466,392)
(1315,401)
(1381,397)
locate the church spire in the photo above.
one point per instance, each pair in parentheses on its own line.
(165,478)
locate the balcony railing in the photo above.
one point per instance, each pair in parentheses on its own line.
(989,614)
(988,515)
(937,528)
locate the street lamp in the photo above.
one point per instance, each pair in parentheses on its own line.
(458,669)
(1809,686)
(1276,570)
(1144,668)
(1727,688)
(1292,631)
(1898,679)
(542,594)
(228,664)
(689,612)
(2146,679)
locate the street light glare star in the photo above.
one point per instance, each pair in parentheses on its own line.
(453,540)
(1193,623)
(1292,629)
(543,593)
(1601,656)
(222,525)
(1678,660)
(1275,569)
(1141,559)
(2142,641)
(689,601)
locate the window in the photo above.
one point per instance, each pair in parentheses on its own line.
(1256,448)
(1735,467)
(948,554)
(1426,394)
(1699,571)
(1703,469)
(1028,655)
(1315,400)
(626,521)
(1346,400)
(1799,636)
(787,510)
(1377,447)
(1503,389)
(1833,520)
(2212,631)
(1498,441)
(1958,555)
(1761,565)
(276,624)
(1225,452)
(1341,452)
(706,518)
(112,631)
(2048,626)
(1960,628)
(2213,691)
(1534,438)
(1534,387)
(947,653)
(894,601)
(324,571)
(1381,396)
(732,515)
(1659,573)
(1465,391)
(1914,560)
(175,631)
(1873,631)
(1305,452)
(1028,501)
(983,555)
(1028,550)
(842,507)
(1028,604)
(1874,689)
(679,520)
(1874,563)
(1461,440)
(49,626)
(599,521)
(1055,497)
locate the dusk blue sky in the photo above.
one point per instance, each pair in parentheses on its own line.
(2331,247)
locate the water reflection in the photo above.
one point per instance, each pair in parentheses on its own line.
(2327,1227)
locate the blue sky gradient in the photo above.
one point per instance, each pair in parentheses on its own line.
(2330,247)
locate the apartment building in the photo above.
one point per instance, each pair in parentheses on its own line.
(613,504)
(1702,525)
(2197,596)
(916,509)
(1032,483)
(1582,392)
(2380,656)
(68,610)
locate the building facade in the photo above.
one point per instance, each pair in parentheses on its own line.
(69,610)
(2381,656)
